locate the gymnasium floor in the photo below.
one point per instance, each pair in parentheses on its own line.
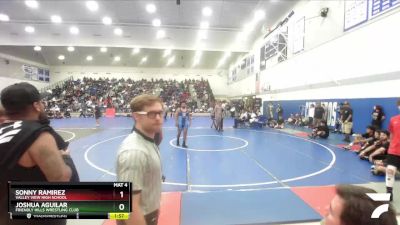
(240,176)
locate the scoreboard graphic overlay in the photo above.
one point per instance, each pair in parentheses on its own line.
(83,200)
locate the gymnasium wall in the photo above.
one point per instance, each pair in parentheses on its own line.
(216,78)
(11,71)
(333,58)
(362,53)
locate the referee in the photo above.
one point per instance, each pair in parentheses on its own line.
(139,161)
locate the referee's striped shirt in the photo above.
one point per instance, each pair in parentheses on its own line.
(139,162)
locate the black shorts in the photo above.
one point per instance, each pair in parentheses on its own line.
(152,218)
(393,160)
(324,135)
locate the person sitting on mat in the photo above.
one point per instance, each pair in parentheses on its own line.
(370,142)
(241,120)
(362,138)
(381,152)
(322,130)
(380,146)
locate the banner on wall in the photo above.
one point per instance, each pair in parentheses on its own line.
(258,91)
(275,47)
(47,75)
(35,73)
(232,75)
(298,35)
(355,13)
(266,86)
(360,11)
(379,7)
(262,58)
(282,45)
(243,69)
(252,64)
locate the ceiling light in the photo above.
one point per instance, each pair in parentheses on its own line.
(135,51)
(198,53)
(221,62)
(107,20)
(241,37)
(151,8)
(223,59)
(4,17)
(103,49)
(204,25)
(160,34)
(248,27)
(92,5)
(202,34)
(70,49)
(61,57)
(197,57)
(89,58)
(74,30)
(118,31)
(29,29)
(144,59)
(37,48)
(167,52)
(117,58)
(207,11)
(32,4)
(56,19)
(259,15)
(171,60)
(156,22)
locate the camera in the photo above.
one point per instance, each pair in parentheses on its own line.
(324,12)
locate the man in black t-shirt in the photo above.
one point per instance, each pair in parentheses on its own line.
(279,112)
(319,112)
(377,117)
(347,120)
(31,150)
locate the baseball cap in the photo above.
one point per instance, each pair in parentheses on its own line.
(16,97)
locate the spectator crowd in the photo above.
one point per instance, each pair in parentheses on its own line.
(82,95)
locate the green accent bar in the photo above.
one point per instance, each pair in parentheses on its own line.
(85,207)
